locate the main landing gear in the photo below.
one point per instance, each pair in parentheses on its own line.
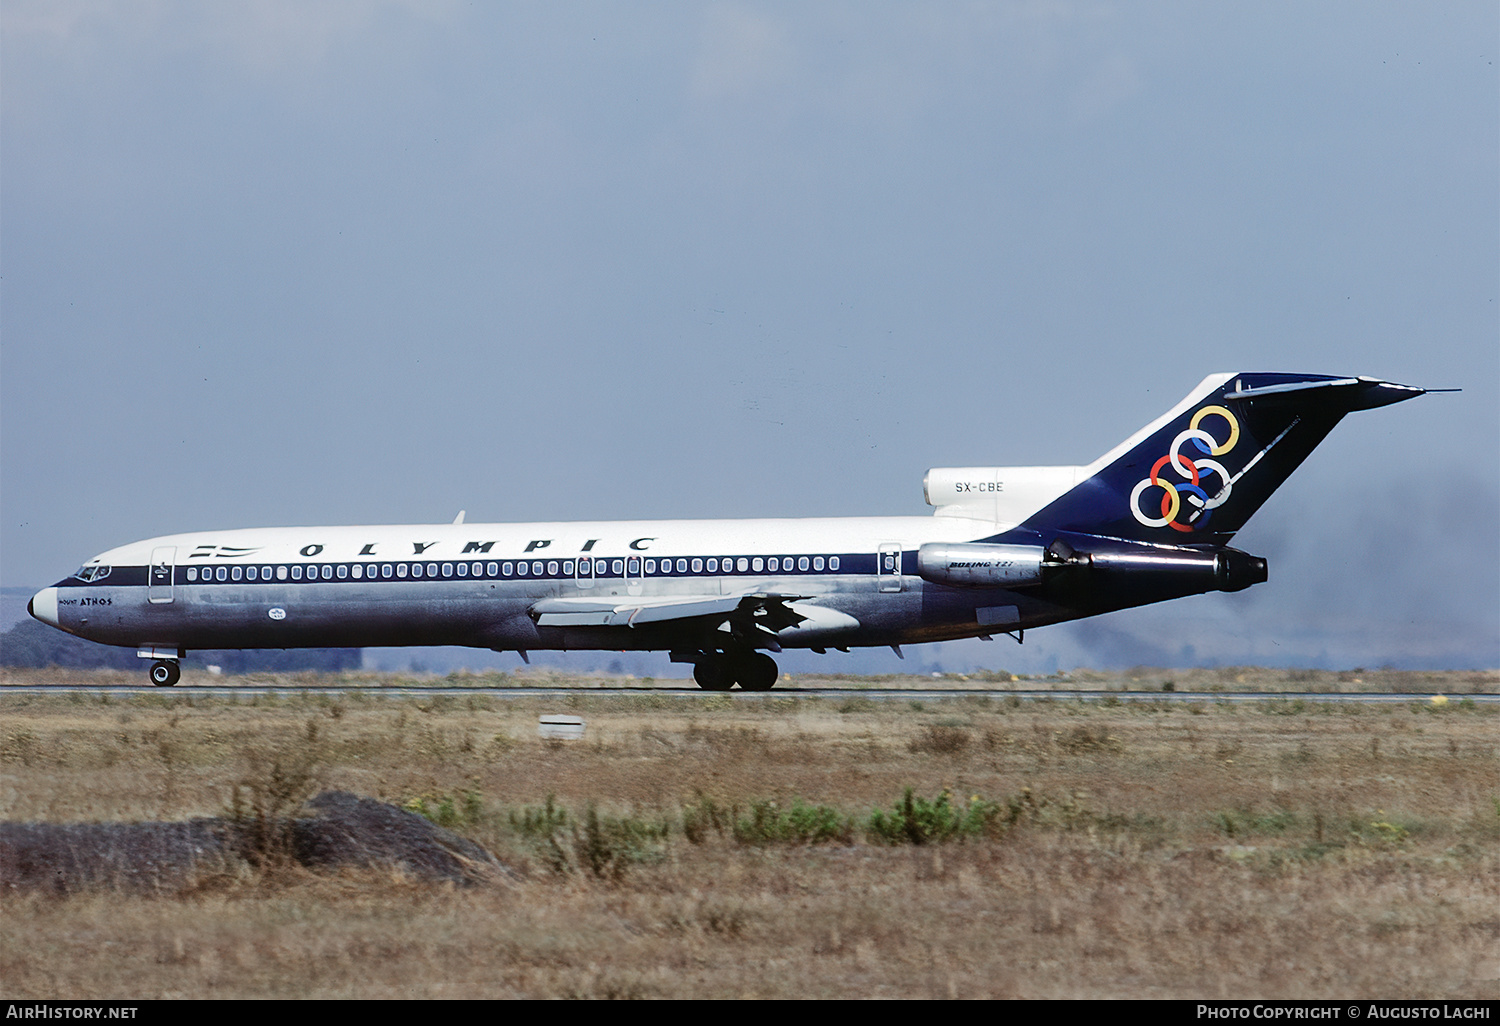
(165,673)
(719,671)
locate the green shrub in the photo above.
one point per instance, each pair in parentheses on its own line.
(602,846)
(706,815)
(448,810)
(800,824)
(916,820)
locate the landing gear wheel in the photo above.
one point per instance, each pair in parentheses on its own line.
(165,673)
(712,673)
(755,672)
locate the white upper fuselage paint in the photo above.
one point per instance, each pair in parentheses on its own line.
(565,540)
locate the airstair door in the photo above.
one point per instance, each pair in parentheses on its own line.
(888,566)
(159,575)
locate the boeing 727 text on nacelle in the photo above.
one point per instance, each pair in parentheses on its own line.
(1009,548)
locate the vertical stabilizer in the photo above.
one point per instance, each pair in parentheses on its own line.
(1195,475)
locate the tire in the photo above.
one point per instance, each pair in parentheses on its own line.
(712,673)
(165,673)
(755,672)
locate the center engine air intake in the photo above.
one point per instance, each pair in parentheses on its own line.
(977,565)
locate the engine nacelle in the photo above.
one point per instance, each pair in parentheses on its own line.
(982,565)
(977,565)
(1001,494)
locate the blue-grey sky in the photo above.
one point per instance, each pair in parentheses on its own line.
(302,263)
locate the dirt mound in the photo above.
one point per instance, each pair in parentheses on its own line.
(341,829)
(352,831)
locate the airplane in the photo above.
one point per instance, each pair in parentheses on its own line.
(1007,549)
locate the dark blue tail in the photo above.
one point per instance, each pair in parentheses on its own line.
(1196,475)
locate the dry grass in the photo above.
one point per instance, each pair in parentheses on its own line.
(1277,850)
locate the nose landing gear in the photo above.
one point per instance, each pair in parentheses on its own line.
(165,673)
(719,671)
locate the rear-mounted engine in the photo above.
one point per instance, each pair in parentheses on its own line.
(981,565)
(977,565)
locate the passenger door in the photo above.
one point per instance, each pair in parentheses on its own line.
(159,575)
(888,566)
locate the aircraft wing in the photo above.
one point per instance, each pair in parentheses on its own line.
(772,612)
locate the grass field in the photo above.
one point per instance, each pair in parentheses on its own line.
(718,847)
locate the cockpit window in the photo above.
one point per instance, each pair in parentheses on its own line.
(92,573)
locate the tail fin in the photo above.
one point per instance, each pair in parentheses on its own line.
(1198,473)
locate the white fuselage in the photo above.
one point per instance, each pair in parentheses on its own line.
(852,580)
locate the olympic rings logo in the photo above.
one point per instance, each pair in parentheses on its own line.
(1189,498)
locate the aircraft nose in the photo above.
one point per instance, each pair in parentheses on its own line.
(43,606)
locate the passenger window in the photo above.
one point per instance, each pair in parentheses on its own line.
(327,572)
(252,573)
(492,569)
(506,569)
(833,562)
(650,566)
(296,573)
(192,573)
(281,573)
(551,568)
(567,568)
(697,566)
(401,570)
(236,573)
(386,570)
(773,564)
(713,566)
(742,564)
(817,562)
(756,564)
(343,571)
(463,570)
(536,568)
(617,567)
(447,569)
(432,570)
(222,573)
(682,566)
(633,566)
(357,571)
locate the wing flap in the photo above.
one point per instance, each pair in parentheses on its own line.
(591,612)
(774,612)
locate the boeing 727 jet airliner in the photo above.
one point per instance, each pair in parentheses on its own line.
(1009,548)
